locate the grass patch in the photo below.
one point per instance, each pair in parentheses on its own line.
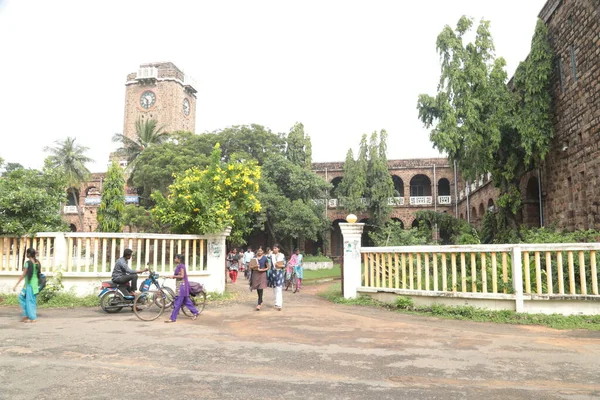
(226,295)
(405,305)
(60,300)
(334,272)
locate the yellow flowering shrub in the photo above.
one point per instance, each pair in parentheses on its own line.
(208,200)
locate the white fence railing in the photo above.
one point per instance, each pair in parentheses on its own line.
(534,277)
(94,254)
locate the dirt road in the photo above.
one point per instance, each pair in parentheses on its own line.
(311,350)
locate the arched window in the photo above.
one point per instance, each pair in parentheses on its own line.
(398,185)
(443,187)
(335,182)
(481,210)
(72,197)
(400,221)
(473,213)
(531,211)
(490,205)
(420,185)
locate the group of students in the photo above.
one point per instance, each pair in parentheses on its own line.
(266,269)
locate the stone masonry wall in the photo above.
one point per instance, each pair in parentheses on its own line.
(571,174)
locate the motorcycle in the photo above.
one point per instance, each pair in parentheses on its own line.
(114,297)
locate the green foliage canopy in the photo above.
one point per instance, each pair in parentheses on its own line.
(30,201)
(112,205)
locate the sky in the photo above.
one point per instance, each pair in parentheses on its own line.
(342,68)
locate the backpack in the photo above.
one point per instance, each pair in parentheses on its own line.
(42,280)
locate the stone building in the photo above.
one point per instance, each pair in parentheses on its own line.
(566,189)
(420,184)
(159,91)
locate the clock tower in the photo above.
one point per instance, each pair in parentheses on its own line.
(160,91)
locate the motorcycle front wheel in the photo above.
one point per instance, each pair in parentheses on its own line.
(111,302)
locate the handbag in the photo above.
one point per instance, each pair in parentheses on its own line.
(42,280)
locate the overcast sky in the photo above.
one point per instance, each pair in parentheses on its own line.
(342,68)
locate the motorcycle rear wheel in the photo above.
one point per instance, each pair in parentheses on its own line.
(111,302)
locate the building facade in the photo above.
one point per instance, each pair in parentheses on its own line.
(419,184)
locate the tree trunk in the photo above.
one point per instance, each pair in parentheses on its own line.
(78,210)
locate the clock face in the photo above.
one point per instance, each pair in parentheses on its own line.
(147,99)
(186,107)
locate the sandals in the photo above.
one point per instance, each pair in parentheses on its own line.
(195,317)
(258,307)
(30,321)
(169,321)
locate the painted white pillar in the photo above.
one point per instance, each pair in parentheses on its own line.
(351,234)
(215,261)
(61,252)
(517,278)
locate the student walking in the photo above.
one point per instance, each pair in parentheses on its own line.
(183,288)
(276,276)
(258,275)
(28,295)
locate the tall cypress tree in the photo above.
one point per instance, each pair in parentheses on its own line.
(299,148)
(381,185)
(112,206)
(353,186)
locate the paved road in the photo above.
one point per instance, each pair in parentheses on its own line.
(310,350)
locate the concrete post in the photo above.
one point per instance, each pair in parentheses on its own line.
(61,252)
(517,278)
(351,234)
(215,261)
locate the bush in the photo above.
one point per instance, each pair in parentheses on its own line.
(54,286)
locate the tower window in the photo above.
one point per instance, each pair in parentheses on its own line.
(573,63)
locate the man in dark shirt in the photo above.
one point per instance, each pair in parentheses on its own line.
(123,274)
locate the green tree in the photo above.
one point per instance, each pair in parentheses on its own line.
(8,167)
(30,200)
(392,233)
(249,142)
(156,166)
(138,219)
(381,186)
(112,205)
(147,134)
(479,122)
(299,148)
(70,158)
(353,186)
(288,210)
(208,200)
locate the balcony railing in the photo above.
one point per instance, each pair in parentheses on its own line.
(395,201)
(147,73)
(70,210)
(421,200)
(332,203)
(444,199)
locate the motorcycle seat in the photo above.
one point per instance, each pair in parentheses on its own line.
(109,284)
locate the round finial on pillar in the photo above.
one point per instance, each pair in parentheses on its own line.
(351,218)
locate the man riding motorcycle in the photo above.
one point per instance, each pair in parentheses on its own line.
(123,274)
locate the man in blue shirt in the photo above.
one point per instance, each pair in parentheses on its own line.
(123,274)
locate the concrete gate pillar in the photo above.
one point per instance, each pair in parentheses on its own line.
(351,277)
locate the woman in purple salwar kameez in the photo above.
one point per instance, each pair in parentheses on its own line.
(183,286)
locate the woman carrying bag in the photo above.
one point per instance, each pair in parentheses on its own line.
(28,295)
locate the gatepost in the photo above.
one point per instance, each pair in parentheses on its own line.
(215,261)
(351,233)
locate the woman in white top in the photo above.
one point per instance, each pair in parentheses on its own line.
(276,276)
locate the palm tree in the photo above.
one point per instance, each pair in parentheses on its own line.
(70,157)
(147,133)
